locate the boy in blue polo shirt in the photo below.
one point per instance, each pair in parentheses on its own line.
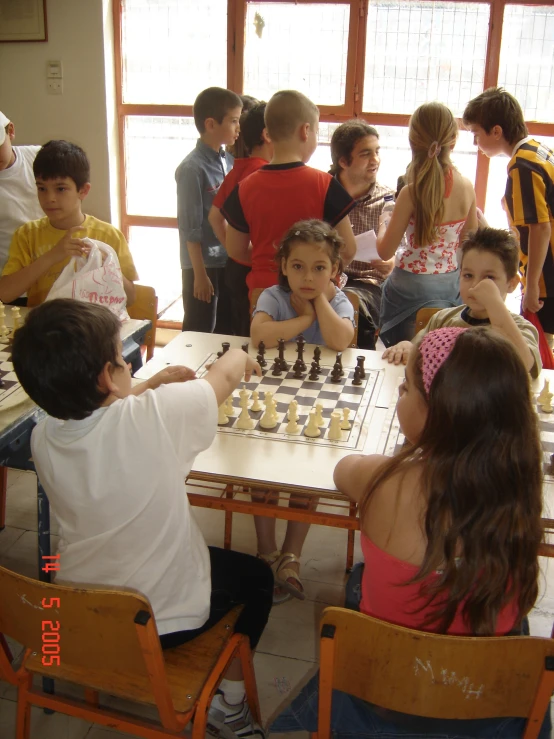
(199,176)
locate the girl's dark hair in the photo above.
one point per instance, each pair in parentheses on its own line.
(240,149)
(60,351)
(252,127)
(62,159)
(482,477)
(311,232)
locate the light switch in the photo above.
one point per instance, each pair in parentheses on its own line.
(54,69)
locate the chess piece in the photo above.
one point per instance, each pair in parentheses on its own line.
(312,429)
(292,425)
(274,409)
(4,331)
(357,376)
(16,318)
(544,393)
(336,373)
(256,405)
(334,433)
(276,370)
(547,406)
(283,364)
(228,405)
(360,360)
(300,342)
(261,355)
(221,415)
(338,361)
(314,372)
(225,346)
(317,356)
(268,420)
(298,370)
(345,423)
(244,347)
(319,415)
(244,421)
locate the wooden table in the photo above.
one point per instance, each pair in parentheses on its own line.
(272,466)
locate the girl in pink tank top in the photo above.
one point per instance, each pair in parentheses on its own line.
(441,546)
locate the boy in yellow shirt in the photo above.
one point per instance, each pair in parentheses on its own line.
(41,249)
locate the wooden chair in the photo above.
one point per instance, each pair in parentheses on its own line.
(108,642)
(433,675)
(423,316)
(145,307)
(352,297)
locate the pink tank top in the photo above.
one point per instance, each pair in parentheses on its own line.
(386,597)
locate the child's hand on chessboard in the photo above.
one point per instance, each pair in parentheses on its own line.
(399,353)
(176,373)
(252,367)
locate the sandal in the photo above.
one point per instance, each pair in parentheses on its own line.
(279,595)
(284,573)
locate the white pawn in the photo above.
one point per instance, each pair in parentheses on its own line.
(268,420)
(543,396)
(312,429)
(228,406)
(334,433)
(547,407)
(292,425)
(4,331)
(256,405)
(345,424)
(221,415)
(319,415)
(244,420)
(16,317)
(293,403)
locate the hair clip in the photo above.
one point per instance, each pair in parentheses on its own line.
(434,150)
(297,233)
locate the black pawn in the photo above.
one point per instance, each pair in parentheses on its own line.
(261,355)
(317,355)
(357,377)
(361,361)
(298,370)
(338,361)
(314,372)
(276,370)
(336,373)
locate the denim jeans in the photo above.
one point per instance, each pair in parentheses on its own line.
(353,717)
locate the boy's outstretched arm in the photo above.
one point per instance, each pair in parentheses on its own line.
(175,373)
(12,286)
(225,374)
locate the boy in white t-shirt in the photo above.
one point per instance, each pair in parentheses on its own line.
(18,191)
(113,460)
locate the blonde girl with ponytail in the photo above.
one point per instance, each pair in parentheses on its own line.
(436,209)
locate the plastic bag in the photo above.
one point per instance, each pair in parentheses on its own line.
(92,280)
(547,358)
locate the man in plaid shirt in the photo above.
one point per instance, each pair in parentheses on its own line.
(355,156)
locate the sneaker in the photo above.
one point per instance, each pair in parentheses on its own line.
(237,718)
(215,726)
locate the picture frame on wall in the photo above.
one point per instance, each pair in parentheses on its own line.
(23,20)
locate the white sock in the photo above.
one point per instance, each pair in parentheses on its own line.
(233,691)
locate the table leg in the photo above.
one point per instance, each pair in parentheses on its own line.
(44,551)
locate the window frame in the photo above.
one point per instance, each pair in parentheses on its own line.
(236,17)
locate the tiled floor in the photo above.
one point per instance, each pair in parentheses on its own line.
(287,653)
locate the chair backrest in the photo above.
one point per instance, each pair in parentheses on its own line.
(97,630)
(423,316)
(146,307)
(432,675)
(352,297)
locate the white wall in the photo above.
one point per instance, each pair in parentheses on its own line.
(76,37)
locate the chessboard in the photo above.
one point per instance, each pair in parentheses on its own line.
(359,399)
(392,439)
(11,392)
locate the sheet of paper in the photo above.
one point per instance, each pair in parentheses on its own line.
(366,244)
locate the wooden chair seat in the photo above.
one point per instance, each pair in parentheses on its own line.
(423,316)
(186,669)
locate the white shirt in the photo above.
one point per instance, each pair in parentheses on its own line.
(115,481)
(18,197)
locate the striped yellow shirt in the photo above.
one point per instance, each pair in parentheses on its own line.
(530,200)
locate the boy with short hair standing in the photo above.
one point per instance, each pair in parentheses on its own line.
(41,249)
(266,204)
(496,120)
(199,176)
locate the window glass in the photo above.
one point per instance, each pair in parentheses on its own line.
(156,255)
(171,50)
(528,37)
(289,46)
(422,51)
(154,147)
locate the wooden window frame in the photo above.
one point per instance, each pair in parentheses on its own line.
(357,34)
